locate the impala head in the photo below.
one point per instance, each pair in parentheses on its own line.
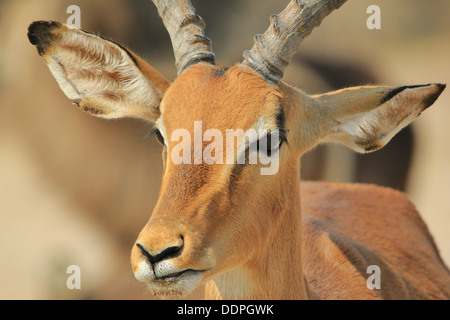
(213,217)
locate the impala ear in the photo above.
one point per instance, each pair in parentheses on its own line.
(98,75)
(366,118)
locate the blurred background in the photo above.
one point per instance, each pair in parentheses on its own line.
(77,190)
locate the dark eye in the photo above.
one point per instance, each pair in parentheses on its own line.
(159,137)
(266,144)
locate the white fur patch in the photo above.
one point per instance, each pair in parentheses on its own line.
(144,272)
(249,139)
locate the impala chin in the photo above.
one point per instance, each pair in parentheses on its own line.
(164,280)
(180,285)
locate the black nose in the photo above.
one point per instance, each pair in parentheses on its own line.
(167,253)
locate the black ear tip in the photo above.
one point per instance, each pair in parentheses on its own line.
(431,99)
(441,87)
(39,34)
(42,27)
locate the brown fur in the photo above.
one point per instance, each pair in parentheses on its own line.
(242,233)
(348,227)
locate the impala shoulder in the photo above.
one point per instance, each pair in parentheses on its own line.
(343,204)
(373,216)
(357,194)
(333,261)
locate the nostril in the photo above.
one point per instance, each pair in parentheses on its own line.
(167,253)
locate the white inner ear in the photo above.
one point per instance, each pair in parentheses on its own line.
(386,120)
(361,124)
(57,71)
(86,66)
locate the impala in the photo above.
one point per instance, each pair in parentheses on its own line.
(242,234)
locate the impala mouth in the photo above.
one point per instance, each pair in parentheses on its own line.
(174,276)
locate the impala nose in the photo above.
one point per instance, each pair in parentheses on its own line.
(158,249)
(169,252)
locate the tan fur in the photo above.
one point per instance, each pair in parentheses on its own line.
(348,227)
(244,234)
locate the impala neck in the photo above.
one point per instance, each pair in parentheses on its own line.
(277,271)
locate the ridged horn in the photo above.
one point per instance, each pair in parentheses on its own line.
(186,31)
(273,50)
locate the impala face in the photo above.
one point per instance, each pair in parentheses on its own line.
(200,226)
(213,219)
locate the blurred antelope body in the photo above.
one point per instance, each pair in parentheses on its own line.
(243,234)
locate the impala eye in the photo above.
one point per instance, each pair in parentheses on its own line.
(266,143)
(158,135)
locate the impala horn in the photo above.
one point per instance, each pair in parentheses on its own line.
(273,50)
(186,31)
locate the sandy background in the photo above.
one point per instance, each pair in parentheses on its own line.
(78,190)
